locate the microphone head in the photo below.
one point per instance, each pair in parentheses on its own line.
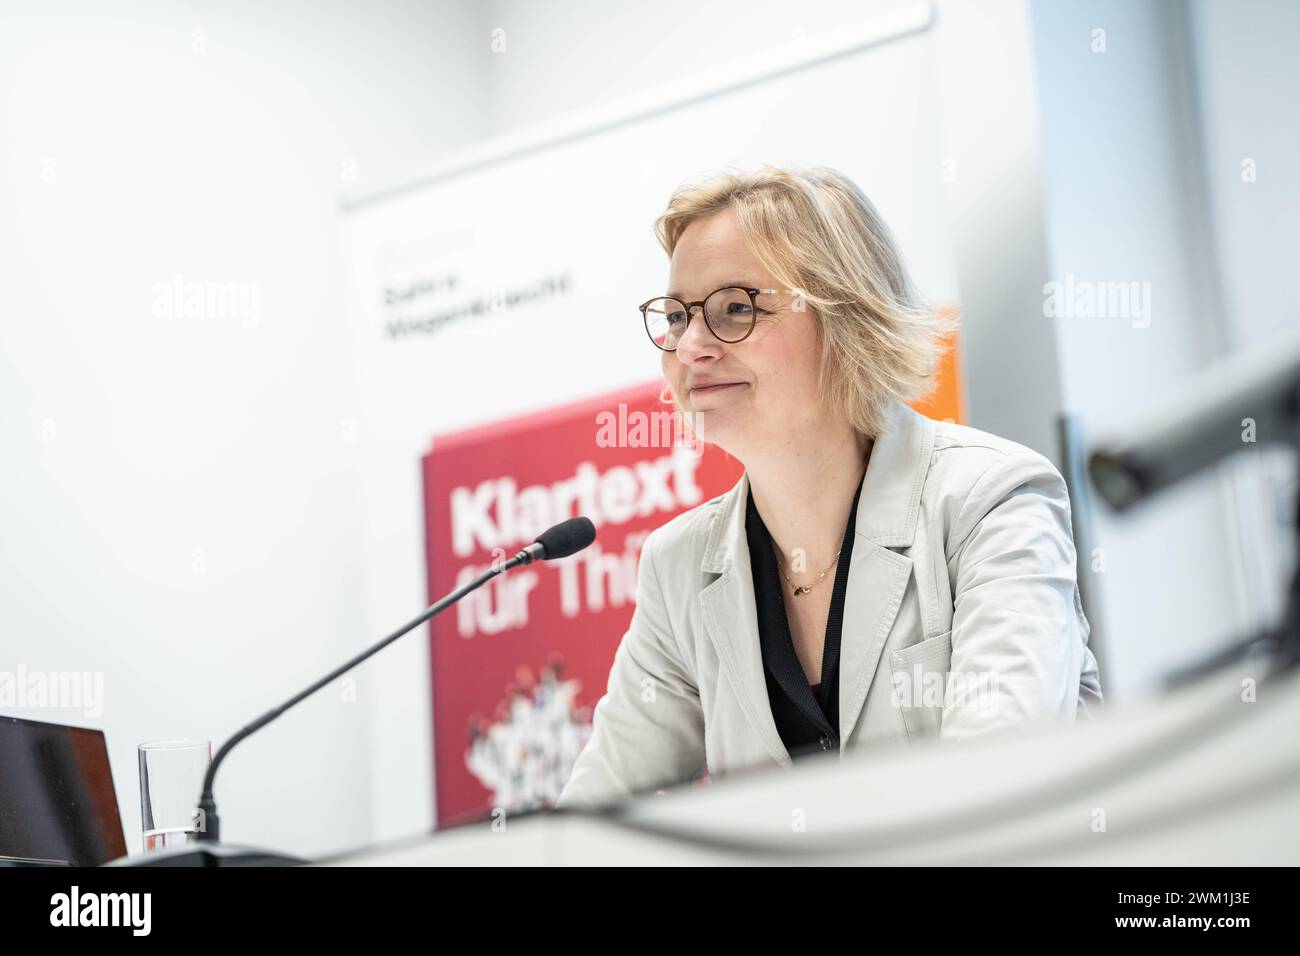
(566,538)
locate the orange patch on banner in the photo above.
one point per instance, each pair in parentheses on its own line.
(947,400)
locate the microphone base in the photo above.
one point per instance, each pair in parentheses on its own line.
(210,855)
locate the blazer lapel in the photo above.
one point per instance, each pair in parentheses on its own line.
(887,517)
(731,617)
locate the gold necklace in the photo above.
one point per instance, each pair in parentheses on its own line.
(804,588)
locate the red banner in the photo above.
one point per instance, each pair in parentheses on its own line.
(518,665)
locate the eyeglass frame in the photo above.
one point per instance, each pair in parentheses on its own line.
(690,309)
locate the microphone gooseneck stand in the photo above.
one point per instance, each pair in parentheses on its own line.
(564,539)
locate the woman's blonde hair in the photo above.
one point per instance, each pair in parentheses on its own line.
(816,232)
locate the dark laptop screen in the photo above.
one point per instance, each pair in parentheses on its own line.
(57,803)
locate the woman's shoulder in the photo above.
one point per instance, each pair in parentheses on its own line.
(685,534)
(973,472)
(965,457)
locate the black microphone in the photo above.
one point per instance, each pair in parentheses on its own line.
(566,538)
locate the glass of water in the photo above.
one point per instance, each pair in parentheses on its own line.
(171,776)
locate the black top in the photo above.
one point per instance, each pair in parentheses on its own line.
(807,718)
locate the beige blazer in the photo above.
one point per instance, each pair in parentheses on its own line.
(962,617)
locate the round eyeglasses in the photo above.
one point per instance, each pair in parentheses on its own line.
(729,313)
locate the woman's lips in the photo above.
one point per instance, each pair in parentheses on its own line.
(714,389)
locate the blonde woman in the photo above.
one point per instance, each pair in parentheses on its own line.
(874,576)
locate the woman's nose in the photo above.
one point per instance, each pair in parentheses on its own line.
(698,341)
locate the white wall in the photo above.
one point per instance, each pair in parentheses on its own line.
(564,55)
(178,496)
